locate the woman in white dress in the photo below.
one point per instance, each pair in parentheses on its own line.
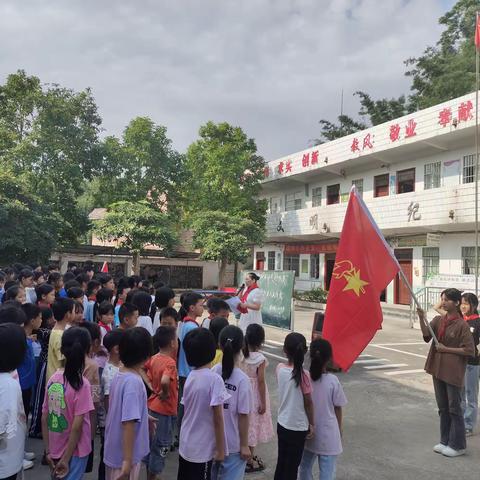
(251,299)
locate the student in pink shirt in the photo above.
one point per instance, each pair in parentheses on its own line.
(329,399)
(66,410)
(202,437)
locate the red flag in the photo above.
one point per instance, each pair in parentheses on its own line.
(364,266)
(477,33)
(104,267)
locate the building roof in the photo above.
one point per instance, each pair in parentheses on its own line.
(97,214)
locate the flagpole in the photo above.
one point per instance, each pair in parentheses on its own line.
(476,156)
(415,299)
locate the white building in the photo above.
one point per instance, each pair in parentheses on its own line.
(416,175)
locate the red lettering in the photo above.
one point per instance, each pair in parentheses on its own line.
(394,132)
(410,128)
(289,166)
(465,111)
(315,157)
(306,160)
(367,141)
(445,117)
(280,168)
(355,146)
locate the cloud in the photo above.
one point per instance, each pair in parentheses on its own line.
(272,67)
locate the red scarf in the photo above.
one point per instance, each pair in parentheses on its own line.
(92,298)
(188,319)
(446,322)
(244,296)
(467,318)
(108,328)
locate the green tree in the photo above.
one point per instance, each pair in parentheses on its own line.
(134,225)
(29,227)
(330,131)
(49,135)
(139,165)
(223,175)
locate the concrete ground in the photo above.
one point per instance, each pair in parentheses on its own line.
(390,424)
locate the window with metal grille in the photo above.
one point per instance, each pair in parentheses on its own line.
(431,260)
(271,260)
(406,181)
(315,265)
(468,260)
(316,196)
(359,186)
(468,168)
(380,185)
(293,201)
(431,176)
(292,262)
(333,194)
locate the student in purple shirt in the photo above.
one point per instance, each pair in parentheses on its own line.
(126,430)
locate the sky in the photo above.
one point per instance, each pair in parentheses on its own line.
(272,67)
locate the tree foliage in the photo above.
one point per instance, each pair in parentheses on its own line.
(223,174)
(29,227)
(134,225)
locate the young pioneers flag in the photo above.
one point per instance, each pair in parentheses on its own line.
(104,267)
(364,266)
(477,32)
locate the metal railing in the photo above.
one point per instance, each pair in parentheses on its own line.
(427,297)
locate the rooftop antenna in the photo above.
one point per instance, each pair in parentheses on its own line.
(341,104)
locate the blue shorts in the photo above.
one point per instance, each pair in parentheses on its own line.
(160,443)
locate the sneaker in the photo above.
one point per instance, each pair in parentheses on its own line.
(29,456)
(450,452)
(27,464)
(439,448)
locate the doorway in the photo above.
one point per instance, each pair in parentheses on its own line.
(329,266)
(401,292)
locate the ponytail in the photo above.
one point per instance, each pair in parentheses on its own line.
(254,337)
(231,341)
(320,355)
(245,350)
(75,346)
(295,347)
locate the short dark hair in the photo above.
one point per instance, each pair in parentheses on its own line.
(12,313)
(104,278)
(126,309)
(71,284)
(191,299)
(68,276)
(135,346)
(47,314)
(133,281)
(37,275)
(170,312)
(43,289)
(163,336)
(31,311)
(112,339)
(472,300)
(93,330)
(104,308)
(75,292)
(25,273)
(82,278)
(104,294)
(200,347)
(217,324)
(215,305)
(163,295)
(11,293)
(91,286)
(53,278)
(13,344)
(143,301)
(61,306)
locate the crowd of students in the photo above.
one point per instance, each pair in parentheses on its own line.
(87,360)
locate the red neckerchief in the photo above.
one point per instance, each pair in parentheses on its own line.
(92,298)
(41,303)
(467,318)
(244,296)
(108,328)
(188,319)
(444,325)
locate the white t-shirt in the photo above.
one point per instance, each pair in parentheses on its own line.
(252,316)
(13,428)
(108,375)
(145,322)
(291,408)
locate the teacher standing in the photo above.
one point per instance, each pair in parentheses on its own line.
(251,299)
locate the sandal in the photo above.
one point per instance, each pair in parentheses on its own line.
(251,468)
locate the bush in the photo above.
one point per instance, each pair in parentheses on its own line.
(318,295)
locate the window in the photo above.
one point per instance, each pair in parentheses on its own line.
(314,265)
(274,205)
(316,196)
(359,186)
(468,168)
(291,262)
(431,256)
(304,266)
(293,201)
(271,261)
(468,260)
(431,176)
(333,194)
(406,181)
(380,185)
